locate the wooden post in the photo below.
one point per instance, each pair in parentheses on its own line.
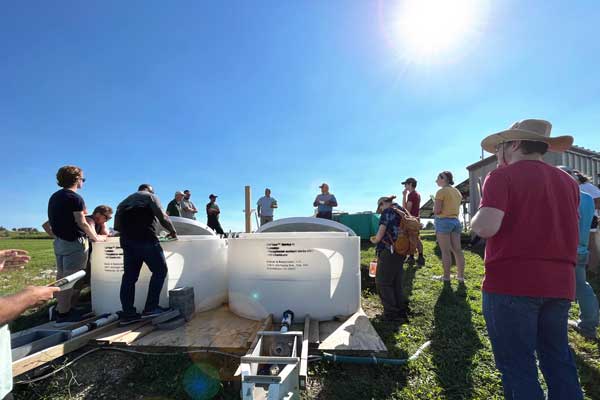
(248,211)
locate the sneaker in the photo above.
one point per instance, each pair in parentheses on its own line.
(128,318)
(421,260)
(585,333)
(154,312)
(70,317)
(410,260)
(440,278)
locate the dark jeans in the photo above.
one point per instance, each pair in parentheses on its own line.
(135,253)
(520,327)
(325,214)
(389,281)
(214,224)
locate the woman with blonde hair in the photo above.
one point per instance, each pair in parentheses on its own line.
(447,225)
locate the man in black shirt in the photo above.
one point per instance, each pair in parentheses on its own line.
(212,215)
(134,220)
(69,228)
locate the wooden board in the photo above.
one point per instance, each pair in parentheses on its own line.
(356,334)
(118,332)
(51,353)
(135,334)
(219,329)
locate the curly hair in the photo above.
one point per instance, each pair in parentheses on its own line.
(67,176)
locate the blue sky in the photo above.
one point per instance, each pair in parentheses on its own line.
(212,96)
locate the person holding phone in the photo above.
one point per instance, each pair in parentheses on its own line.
(325,203)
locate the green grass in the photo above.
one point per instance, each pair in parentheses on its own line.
(458,365)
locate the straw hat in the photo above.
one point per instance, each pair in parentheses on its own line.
(536,130)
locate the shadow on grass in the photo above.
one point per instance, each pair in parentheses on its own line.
(454,343)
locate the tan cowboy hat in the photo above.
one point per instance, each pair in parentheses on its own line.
(536,130)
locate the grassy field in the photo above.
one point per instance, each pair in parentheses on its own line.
(458,365)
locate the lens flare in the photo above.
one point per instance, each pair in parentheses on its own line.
(201,381)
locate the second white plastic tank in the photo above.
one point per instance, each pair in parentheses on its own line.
(197,261)
(316,273)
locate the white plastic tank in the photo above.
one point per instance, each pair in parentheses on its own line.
(187,226)
(197,261)
(316,273)
(304,224)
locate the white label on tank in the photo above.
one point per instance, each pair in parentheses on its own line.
(113,259)
(285,256)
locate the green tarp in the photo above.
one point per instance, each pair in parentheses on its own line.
(364,225)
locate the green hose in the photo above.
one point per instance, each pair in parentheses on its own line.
(375,360)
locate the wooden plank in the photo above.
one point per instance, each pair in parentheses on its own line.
(42,357)
(267,323)
(135,334)
(313,335)
(118,332)
(356,334)
(218,329)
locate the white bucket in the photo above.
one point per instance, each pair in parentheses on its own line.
(316,273)
(196,261)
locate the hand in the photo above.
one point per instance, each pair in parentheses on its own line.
(40,294)
(172,235)
(13,259)
(100,238)
(374,240)
(404,192)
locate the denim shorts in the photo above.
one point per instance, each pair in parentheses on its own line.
(447,225)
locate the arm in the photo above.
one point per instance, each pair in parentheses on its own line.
(82,223)
(104,230)
(404,201)
(13,306)
(332,202)
(437,206)
(46,226)
(316,202)
(258,208)
(162,217)
(487,222)
(380,234)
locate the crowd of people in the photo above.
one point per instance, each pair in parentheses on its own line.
(539,223)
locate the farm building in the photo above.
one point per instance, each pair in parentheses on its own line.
(585,160)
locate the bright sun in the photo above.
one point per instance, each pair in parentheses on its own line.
(430,29)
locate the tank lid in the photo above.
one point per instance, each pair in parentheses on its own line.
(304,224)
(186,226)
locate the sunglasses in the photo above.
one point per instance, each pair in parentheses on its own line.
(82,179)
(106,216)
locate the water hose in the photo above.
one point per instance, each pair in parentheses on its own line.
(376,360)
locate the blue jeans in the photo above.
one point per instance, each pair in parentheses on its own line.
(135,253)
(518,328)
(588,303)
(447,225)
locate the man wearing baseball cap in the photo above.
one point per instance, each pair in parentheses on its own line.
(411,201)
(325,203)
(174,206)
(212,215)
(529,216)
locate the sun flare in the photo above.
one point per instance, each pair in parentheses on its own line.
(430,29)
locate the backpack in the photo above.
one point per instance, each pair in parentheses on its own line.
(408,233)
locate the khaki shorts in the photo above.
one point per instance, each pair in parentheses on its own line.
(70,256)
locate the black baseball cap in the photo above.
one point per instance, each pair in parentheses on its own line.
(410,180)
(212,195)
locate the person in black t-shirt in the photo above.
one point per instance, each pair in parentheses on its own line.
(174,206)
(70,230)
(134,220)
(212,215)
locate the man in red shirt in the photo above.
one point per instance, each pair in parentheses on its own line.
(411,201)
(529,216)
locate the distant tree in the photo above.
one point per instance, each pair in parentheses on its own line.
(429,226)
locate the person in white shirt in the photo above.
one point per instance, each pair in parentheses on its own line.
(265,207)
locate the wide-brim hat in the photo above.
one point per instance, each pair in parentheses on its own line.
(535,130)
